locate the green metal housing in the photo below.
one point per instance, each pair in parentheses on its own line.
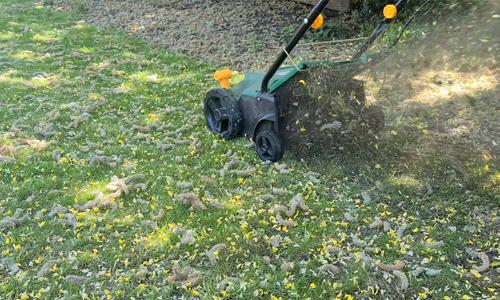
(251,84)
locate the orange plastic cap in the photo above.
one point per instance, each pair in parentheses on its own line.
(223,77)
(318,23)
(390,11)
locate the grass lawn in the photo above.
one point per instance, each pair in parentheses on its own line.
(112,187)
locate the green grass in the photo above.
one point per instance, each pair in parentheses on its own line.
(49,59)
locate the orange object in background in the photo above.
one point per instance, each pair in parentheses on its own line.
(318,23)
(223,77)
(390,11)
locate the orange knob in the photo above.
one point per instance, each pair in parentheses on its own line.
(223,77)
(318,23)
(390,11)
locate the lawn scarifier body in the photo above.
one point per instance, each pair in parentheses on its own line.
(252,107)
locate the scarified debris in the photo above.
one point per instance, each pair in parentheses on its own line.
(45,130)
(398,266)
(184,185)
(89,147)
(30,199)
(65,218)
(182,142)
(185,277)
(367,199)
(350,217)
(10,265)
(275,241)
(434,245)
(38,145)
(283,222)
(53,115)
(401,230)
(216,204)
(214,252)
(69,220)
(265,198)
(387,226)
(225,283)
(104,160)
(74,279)
(418,271)
(100,201)
(329,269)
(56,210)
(374,250)
(228,166)
(362,256)
(432,272)
(377,223)
(287,266)
(118,187)
(357,242)
(333,251)
(149,223)
(160,215)
(484,259)
(190,199)
(282,168)
(244,173)
(404,284)
(208,180)
(6,159)
(331,126)
(149,128)
(297,202)
(17,219)
(164,147)
(8,150)
(76,121)
(280,191)
(187,238)
(45,269)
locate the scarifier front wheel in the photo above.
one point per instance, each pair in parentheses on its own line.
(222,114)
(269,145)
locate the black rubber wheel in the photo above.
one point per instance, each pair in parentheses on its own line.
(222,114)
(373,118)
(269,145)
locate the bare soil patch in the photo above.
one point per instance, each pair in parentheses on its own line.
(239,34)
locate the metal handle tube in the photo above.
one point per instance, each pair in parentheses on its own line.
(317,9)
(381,27)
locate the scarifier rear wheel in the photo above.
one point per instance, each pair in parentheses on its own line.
(222,114)
(268,144)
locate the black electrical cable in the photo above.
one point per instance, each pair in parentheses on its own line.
(409,21)
(381,27)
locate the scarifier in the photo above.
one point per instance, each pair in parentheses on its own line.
(253,107)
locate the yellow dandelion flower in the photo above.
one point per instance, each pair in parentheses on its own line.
(348,297)
(475,273)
